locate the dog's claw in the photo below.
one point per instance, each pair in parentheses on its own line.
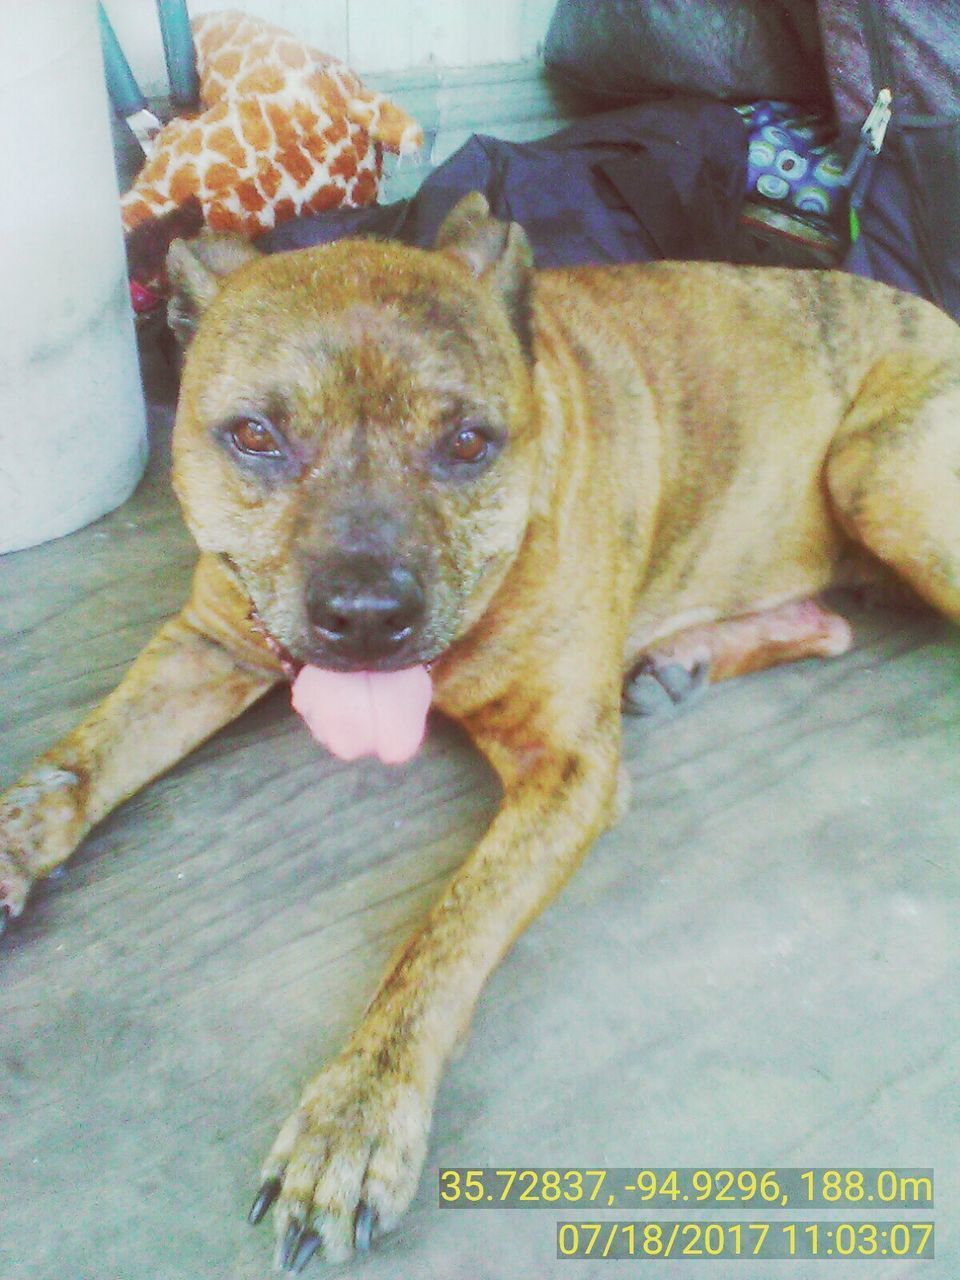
(265,1198)
(291,1242)
(656,688)
(4,917)
(680,682)
(307,1246)
(363,1228)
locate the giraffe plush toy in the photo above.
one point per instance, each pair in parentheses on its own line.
(284,130)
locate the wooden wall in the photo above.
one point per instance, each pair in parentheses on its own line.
(372,35)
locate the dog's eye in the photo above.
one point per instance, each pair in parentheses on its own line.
(469,444)
(467,449)
(254,438)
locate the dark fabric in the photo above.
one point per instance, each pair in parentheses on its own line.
(922,51)
(735,50)
(664,179)
(909,217)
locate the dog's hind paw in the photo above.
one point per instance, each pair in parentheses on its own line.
(346,1164)
(658,688)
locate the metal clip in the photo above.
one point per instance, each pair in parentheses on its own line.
(874,128)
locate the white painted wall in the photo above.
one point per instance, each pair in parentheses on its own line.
(370,35)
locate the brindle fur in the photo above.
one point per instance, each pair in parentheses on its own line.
(691,450)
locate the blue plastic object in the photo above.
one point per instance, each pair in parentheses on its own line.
(179,52)
(122,87)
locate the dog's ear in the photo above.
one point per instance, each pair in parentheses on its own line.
(496,252)
(195,270)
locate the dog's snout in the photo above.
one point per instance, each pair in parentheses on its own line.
(363,608)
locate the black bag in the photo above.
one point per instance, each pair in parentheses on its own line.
(734,50)
(909,216)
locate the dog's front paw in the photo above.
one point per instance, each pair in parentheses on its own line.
(40,823)
(15,884)
(346,1163)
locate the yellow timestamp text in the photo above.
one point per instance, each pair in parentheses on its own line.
(770,1241)
(764,1188)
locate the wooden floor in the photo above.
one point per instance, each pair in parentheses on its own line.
(758,967)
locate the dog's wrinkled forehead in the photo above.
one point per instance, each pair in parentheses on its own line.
(321,287)
(352,330)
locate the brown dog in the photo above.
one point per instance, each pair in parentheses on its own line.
(396,461)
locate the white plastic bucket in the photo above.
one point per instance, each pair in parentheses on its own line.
(72,430)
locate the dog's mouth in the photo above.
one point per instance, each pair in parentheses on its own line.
(288,663)
(357,712)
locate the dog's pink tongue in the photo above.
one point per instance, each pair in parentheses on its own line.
(363,713)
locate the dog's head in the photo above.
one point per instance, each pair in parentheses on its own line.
(355,432)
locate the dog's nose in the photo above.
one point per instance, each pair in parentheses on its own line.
(363,608)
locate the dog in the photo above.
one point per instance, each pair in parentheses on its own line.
(441,478)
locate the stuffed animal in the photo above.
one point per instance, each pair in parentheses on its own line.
(284,130)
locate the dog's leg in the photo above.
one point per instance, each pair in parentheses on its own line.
(672,672)
(348,1159)
(893,475)
(198,673)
